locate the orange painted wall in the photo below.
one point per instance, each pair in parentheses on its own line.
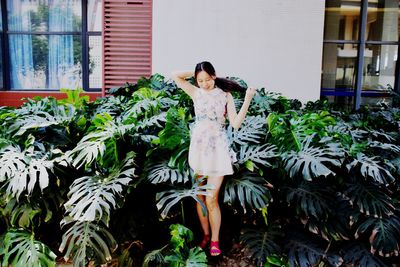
(14,99)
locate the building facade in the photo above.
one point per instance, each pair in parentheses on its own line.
(343,50)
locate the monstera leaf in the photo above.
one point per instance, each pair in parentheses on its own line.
(21,249)
(385,146)
(86,241)
(39,119)
(257,154)
(167,199)
(160,172)
(312,162)
(101,144)
(384,234)
(153,121)
(144,107)
(358,255)
(310,200)
(251,131)
(196,258)
(370,167)
(92,197)
(370,200)
(176,131)
(248,189)
(307,250)
(22,170)
(261,242)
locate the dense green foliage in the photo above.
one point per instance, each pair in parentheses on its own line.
(104,180)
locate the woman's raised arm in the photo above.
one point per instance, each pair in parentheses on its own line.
(236,119)
(180,79)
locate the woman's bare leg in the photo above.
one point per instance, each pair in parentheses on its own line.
(214,211)
(203,217)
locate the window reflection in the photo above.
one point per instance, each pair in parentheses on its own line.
(95,62)
(1,20)
(342,19)
(1,64)
(340,57)
(45,62)
(43,16)
(339,66)
(94,14)
(338,72)
(379,73)
(383,20)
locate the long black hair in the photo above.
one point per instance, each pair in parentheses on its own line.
(225,84)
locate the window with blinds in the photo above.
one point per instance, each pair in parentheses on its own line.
(127,34)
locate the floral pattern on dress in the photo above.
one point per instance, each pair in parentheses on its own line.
(209,152)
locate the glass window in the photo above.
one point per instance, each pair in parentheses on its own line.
(341,68)
(342,20)
(338,70)
(45,61)
(1,52)
(378,73)
(44,16)
(1,64)
(383,20)
(338,73)
(1,20)
(94,15)
(45,44)
(95,62)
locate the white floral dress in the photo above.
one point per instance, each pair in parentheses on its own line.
(209,152)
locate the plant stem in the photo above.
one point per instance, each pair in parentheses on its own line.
(183,213)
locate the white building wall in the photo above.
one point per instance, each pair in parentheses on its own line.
(274,44)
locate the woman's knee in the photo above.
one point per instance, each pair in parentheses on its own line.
(211,202)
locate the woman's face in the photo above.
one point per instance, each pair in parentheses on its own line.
(205,81)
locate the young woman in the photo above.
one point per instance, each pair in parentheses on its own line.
(209,152)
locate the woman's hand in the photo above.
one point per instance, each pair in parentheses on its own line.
(250,92)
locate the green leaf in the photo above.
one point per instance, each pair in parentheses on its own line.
(23,170)
(384,234)
(308,250)
(86,241)
(197,258)
(310,200)
(176,131)
(247,189)
(167,199)
(180,236)
(260,242)
(101,144)
(369,167)
(253,155)
(312,162)
(358,255)
(21,249)
(249,165)
(370,200)
(91,198)
(160,172)
(251,131)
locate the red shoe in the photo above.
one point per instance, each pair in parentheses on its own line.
(203,244)
(214,248)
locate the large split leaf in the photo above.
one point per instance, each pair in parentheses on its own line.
(371,167)
(85,241)
(312,162)
(91,198)
(22,249)
(247,189)
(384,234)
